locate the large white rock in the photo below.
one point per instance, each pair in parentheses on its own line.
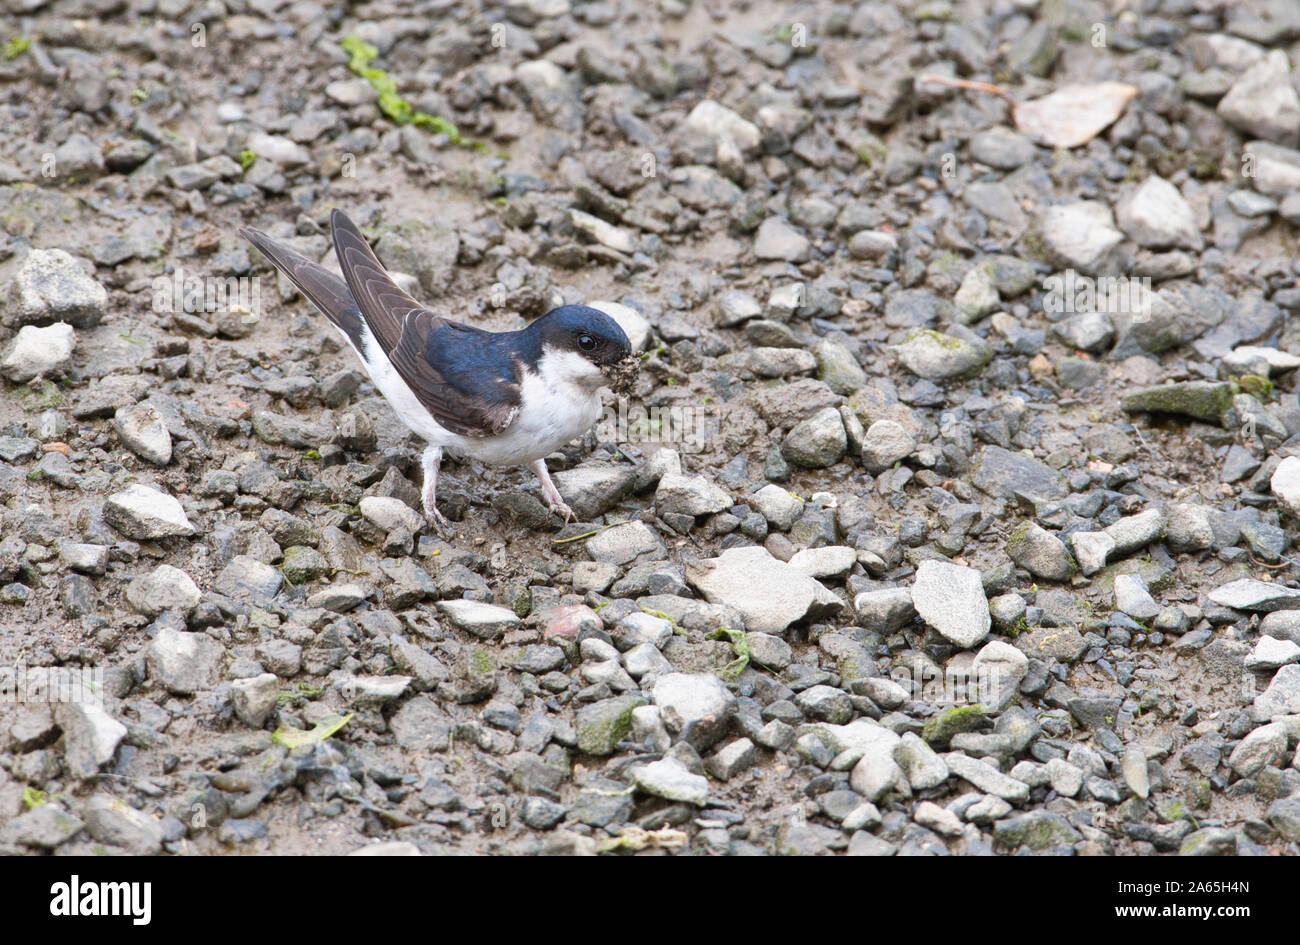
(52,287)
(717,121)
(770,594)
(1156,216)
(951,599)
(635,325)
(145,514)
(1264,102)
(1286,484)
(1080,234)
(39,352)
(697,706)
(163,588)
(388,514)
(487,621)
(90,736)
(670,779)
(691,495)
(144,432)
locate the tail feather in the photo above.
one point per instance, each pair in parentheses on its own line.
(322,288)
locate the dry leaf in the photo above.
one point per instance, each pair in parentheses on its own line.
(296,738)
(1073,115)
(1066,118)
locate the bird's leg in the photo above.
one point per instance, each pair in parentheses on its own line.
(554,501)
(431,462)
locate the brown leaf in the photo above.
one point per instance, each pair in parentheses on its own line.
(1073,115)
(1066,118)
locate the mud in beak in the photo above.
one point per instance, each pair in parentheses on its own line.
(622,376)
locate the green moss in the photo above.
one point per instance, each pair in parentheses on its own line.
(1017,538)
(869,152)
(481,662)
(1204,166)
(393,105)
(947,342)
(47,397)
(1033,246)
(739,646)
(304,692)
(1261,388)
(1202,400)
(16,47)
(940,728)
(34,798)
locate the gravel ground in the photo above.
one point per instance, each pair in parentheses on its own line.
(915,538)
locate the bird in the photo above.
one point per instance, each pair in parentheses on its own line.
(499,398)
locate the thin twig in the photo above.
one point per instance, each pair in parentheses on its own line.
(972,86)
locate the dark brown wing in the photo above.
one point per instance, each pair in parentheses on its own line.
(323,289)
(464,376)
(383,304)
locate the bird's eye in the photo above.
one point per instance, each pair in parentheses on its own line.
(586,343)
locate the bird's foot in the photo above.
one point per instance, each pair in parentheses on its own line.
(554,501)
(561,508)
(437,521)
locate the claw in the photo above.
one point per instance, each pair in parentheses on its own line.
(562,509)
(437,521)
(554,501)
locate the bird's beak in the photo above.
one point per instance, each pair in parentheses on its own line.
(622,375)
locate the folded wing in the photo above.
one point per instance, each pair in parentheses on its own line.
(463,376)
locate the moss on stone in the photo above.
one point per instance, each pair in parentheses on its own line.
(1200,400)
(939,729)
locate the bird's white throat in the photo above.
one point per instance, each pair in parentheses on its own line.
(559,369)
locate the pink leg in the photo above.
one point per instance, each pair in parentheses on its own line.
(431,462)
(554,501)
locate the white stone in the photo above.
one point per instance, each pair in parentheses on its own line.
(635,325)
(163,588)
(670,779)
(1080,234)
(144,513)
(716,121)
(1091,549)
(487,621)
(389,514)
(606,234)
(951,599)
(831,561)
(39,352)
(778,506)
(1272,653)
(769,594)
(1156,216)
(886,443)
(1263,101)
(1286,484)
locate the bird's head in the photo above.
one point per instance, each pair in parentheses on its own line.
(591,345)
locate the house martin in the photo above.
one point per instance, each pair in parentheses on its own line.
(499,398)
